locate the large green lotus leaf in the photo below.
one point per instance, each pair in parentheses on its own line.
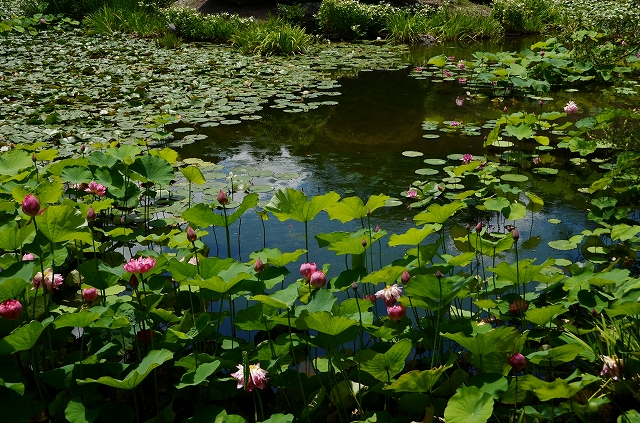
(485,246)
(387,275)
(501,339)
(76,175)
(413,236)
(248,202)
(521,272)
(542,316)
(97,274)
(280,299)
(556,356)
(80,320)
(437,213)
(491,383)
(290,203)
(428,287)
(417,381)
(12,161)
(201,215)
(193,174)
(627,309)
(562,245)
(385,366)
(624,232)
(323,300)
(125,153)
(13,238)
(102,160)
(154,359)
(496,204)
(520,131)
(282,418)
(559,388)
(76,412)
(216,283)
(254,317)
(276,257)
(46,192)
(24,337)
(12,288)
(324,322)
(110,178)
(438,61)
(17,387)
(64,223)
(582,146)
(167,154)
(353,208)
(198,376)
(469,405)
(515,211)
(153,169)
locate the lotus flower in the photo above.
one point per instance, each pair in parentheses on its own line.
(96,188)
(412,193)
(459,100)
(30,206)
(50,280)
(610,367)
(467,158)
(517,362)
(222,198)
(307,269)
(461,64)
(140,265)
(257,377)
(405,277)
(28,257)
(91,214)
(191,234)
(390,294)
(518,306)
(258,266)
(571,108)
(318,279)
(10,309)
(462,81)
(396,312)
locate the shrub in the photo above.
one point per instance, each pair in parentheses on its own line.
(532,16)
(450,24)
(196,26)
(351,19)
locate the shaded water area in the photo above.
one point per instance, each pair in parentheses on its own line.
(356,146)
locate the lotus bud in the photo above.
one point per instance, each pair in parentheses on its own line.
(354,286)
(91,214)
(377,229)
(368,212)
(90,294)
(33,158)
(515,234)
(396,312)
(505,109)
(30,206)
(258,266)
(318,279)
(479,227)
(371,298)
(82,148)
(307,269)
(10,309)
(364,243)
(439,274)
(133,281)
(191,234)
(405,277)
(222,198)
(517,362)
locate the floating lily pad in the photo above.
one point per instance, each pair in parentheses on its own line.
(431,136)
(554,221)
(261,188)
(231,122)
(545,171)
(434,162)
(412,153)
(184,129)
(512,177)
(286,176)
(392,202)
(261,173)
(426,171)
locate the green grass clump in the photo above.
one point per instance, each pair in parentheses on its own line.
(351,19)
(274,36)
(109,20)
(529,16)
(196,26)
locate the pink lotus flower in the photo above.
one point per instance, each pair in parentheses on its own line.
(610,367)
(318,279)
(571,108)
(461,64)
(462,81)
(50,280)
(28,257)
(307,269)
(10,309)
(412,193)
(479,227)
(390,294)
(31,206)
(504,109)
(446,73)
(419,69)
(396,312)
(96,188)
(191,234)
(454,123)
(467,158)
(405,277)
(222,198)
(90,294)
(459,101)
(370,297)
(537,160)
(258,266)
(91,214)
(517,362)
(257,377)
(518,306)
(140,265)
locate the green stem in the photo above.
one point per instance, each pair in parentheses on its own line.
(226,228)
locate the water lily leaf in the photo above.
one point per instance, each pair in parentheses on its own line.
(624,232)
(515,211)
(511,177)
(562,245)
(426,171)
(293,204)
(434,162)
(520,131)
(412,153)
(469,405)
(13,161)
(153,169)
(417,381)
(501,339)
(64,223)
(496,204)
(413,236)
(437,213)
(350,208)
(198,376)
(154,359)
(193,174)
(385,366)
(542,140)
(324,322)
